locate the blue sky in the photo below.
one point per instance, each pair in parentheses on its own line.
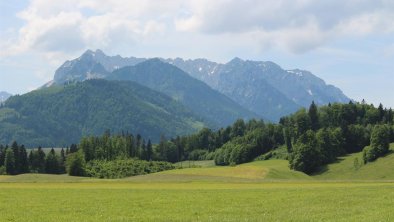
(349,44)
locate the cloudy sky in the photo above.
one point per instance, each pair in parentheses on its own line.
(349,44)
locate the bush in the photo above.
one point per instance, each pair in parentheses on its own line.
(2,170)
(210,156)
(380,143)
(305,158)
(124,168)
(198,155)
(76,164)
(231,153)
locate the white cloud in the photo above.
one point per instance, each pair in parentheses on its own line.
(298,26)
(74,25)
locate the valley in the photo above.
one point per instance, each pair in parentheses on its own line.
(196,110)
(261,190)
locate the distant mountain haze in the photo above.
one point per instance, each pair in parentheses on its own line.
(263,88)
(215,107)
(4,96)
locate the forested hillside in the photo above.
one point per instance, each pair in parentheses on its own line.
(61,115)
(308,139)
(262,88)
(312,137)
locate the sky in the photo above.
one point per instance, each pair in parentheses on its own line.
(349,44)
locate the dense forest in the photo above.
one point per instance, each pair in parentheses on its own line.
(61,115)
(311,137)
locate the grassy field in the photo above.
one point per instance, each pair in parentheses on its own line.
(257,191)
(196,201)
(346,169)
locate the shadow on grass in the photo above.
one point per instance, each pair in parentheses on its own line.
(324,168)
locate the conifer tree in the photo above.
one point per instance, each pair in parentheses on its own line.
(51,163)
(314,116)
(40,160)
(15,149)
(149,150)
(9,162)
(24,162)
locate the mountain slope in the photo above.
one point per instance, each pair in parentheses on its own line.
(282,91)
(91,65)
(59,116)
(261,87)
(4,96)
(194,94)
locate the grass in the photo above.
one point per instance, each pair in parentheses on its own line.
(127,201)
(346,169)
(194,164)
(256,191)
(257,171)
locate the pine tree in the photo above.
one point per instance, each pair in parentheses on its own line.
(2,155)
(9,162)
(143,151)
(15,149)
(287,135)
(40,160)
(73,148)
(62,161)
(149,150)
(314,116)
(381,112)
(138,146)
(24,162)
(31,159)
(51,163)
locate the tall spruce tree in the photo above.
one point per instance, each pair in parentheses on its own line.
(15,149)
(24,162)
(314,116)
(9,162)
(51,163)
(149,150)
(40,160)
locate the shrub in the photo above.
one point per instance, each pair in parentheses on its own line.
(76,164)
(380,142)
(198,155)
(305,158)
(124,168)
(2,170)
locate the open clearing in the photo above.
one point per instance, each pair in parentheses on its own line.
(257,191)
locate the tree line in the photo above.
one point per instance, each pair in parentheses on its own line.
(312,137)
(16,159)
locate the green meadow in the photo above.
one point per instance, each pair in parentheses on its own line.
(256,191)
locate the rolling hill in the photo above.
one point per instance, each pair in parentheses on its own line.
(346,168)
(61,115)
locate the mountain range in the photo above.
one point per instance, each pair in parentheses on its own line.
(155,97)
(4,96)
(263,88)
